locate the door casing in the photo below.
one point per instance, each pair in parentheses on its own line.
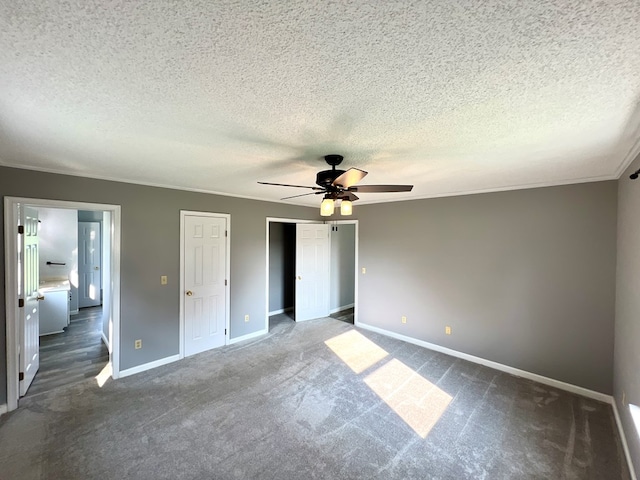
(356,266)
(183,214)
(298,220)
(11,293)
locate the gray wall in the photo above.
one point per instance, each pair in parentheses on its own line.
(58,243)
(150,248)
(343,264)
(524,278)
(282,265)
(627,331)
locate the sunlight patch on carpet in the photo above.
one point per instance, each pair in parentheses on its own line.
(416,400)
(356,350)
(104,375)
(635,414)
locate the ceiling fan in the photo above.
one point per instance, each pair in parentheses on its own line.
(340,185)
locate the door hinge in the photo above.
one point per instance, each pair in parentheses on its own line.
(21,302)
(225,331)
(21,376)
(21,229)
(225,282)
(226,233)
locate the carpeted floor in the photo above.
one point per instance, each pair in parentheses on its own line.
(317,399)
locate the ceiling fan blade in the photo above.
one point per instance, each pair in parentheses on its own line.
(346,195)
(303,195)
(350,177)
(380,188)
(288,185)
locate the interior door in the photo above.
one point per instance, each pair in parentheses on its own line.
(89,274)
(312,271)
(30,319)
(204,263)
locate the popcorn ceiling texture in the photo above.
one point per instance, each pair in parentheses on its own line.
(454,97)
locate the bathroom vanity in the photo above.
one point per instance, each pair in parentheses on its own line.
(54,309)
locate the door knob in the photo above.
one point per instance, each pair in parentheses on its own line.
(97,268)
(40,297)
(189,293)
(299,277)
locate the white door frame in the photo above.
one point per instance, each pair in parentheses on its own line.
(227,274)
(266,292)
(11,283)
(357,274)
(297,220)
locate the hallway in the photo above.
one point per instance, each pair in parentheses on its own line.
(72,356)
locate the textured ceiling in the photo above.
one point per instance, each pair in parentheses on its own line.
(454,97)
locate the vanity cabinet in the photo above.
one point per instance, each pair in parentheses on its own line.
(54,309)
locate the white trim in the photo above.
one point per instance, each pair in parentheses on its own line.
(339,309)
(280,310)
(585,392)
(11,304)
(266,287)
(623,439)
(105,340)
(248,336)
(11,296)
(150,184)
(631,155)
(356,275)
(600,178)
(227,274)
(148,366)
(3,409)
(462,193)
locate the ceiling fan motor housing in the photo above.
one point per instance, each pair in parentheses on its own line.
(326,177)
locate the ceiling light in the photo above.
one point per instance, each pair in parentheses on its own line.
(346,207)
(326,207)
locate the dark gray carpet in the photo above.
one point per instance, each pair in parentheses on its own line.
(287,406)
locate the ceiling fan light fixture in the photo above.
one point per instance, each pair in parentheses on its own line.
(346,207)
(327,207)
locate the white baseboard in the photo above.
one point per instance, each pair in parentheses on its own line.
(3,409)
(623,439)
(248,336)
(281,310)
(585,392)
(106,341)
(339,309)
(148,366)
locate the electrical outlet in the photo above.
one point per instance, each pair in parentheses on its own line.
(447,330)
(364,270)
(137,344)
(404,319)
(163,280)
(246,318)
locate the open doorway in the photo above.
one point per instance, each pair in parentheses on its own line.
(343,271)
(73,336)
(68,331)
(341,264)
